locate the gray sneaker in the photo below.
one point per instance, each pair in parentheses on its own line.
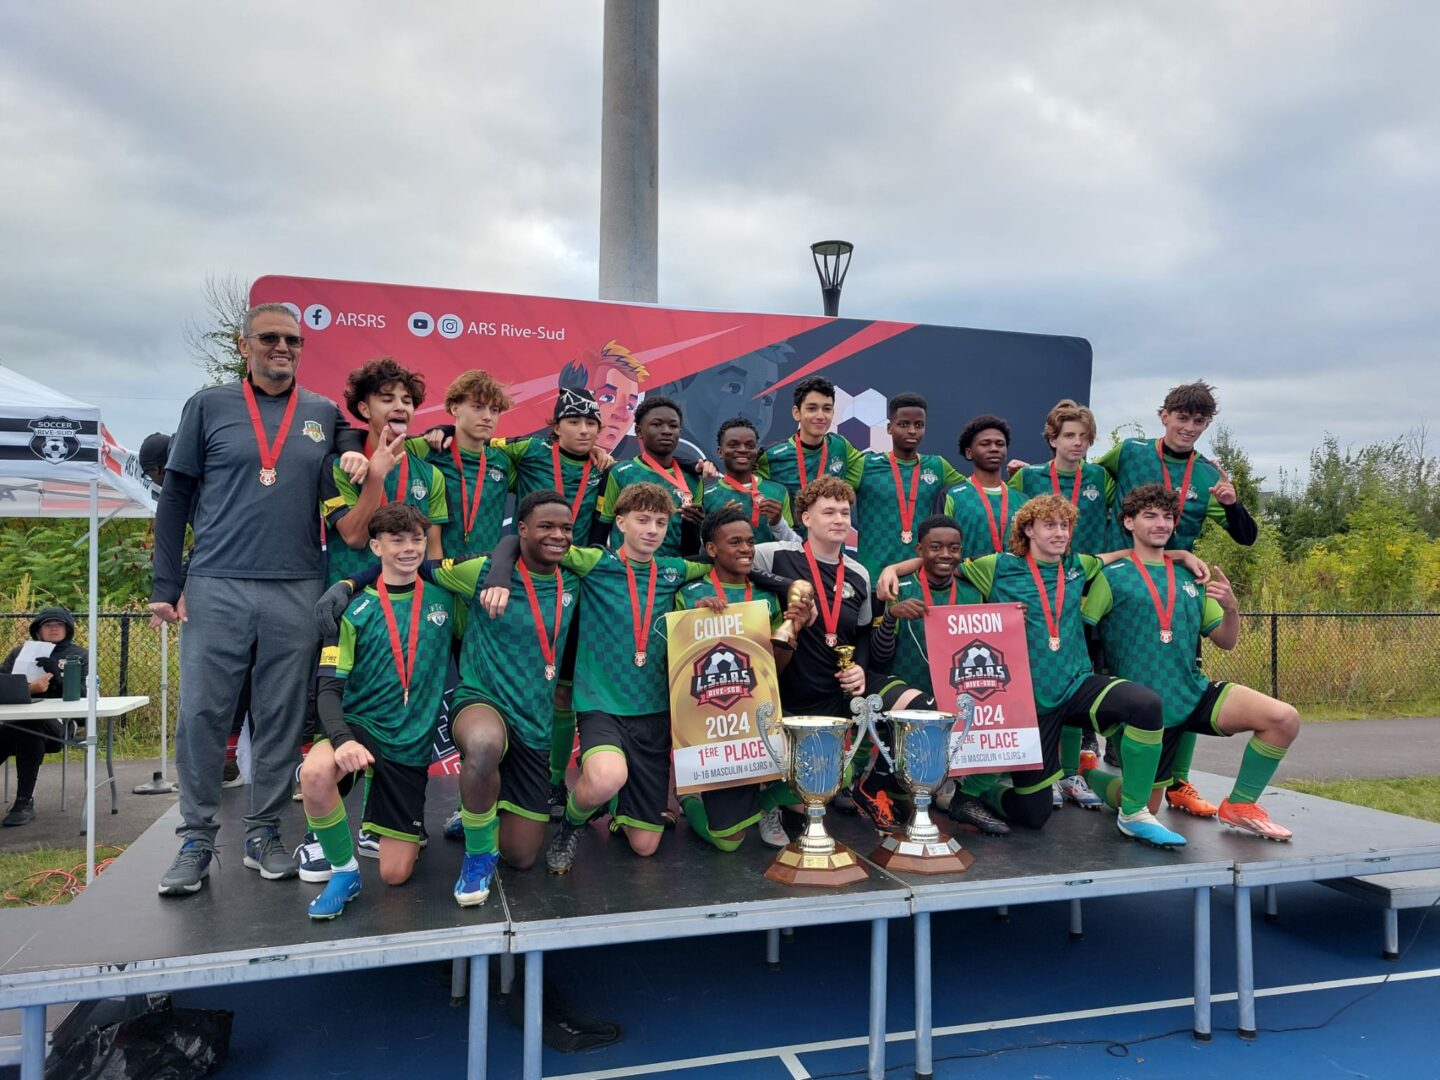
(772,830)
(265,851)
(189,870)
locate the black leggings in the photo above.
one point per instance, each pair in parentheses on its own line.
(1029,803)
(28,750)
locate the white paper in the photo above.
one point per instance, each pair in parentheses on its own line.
(30,652)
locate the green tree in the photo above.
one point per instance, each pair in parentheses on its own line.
(215,343)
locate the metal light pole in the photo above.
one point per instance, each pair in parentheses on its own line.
(630,152)
(832,260)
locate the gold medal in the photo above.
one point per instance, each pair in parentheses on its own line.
(639,659)
(1054,644)
(267,477)
(832,640)
(1166,636)
(906,536)
(686,499)
(549,672)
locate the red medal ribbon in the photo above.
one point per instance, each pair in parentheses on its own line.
(469,509)
(907,513)
(1165,473)
(1052,615)
(800,458)
(720,588)
(560,479)
(548,646)
(403,668)
(676,478)
(269,454)
(641,630)
(753,491)
(995,537)
(1074,488)
(1165,614)
(829,609)
(925,589)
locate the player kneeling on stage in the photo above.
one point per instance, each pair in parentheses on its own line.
(382,676)
(1151,615)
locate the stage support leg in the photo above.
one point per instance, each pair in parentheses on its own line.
(479,970)
(879,947)
(1202,964)
(1244,963)
(1392,935)
(787,934)
(32,1042)
(924,1069)
(459,974)
(1272,904)
(507,973)
(534,988)
(772,950)
(1077,921)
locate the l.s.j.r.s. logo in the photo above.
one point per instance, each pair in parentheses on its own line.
(978,668)
(721,676)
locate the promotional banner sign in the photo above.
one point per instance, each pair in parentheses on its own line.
(723,687)
(717,364)
(979,649)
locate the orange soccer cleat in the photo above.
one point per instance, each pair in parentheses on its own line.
(1251,817)
(1185,796)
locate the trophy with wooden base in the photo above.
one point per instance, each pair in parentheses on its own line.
(921,756)
(813,761)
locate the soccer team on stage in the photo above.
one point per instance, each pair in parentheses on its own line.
(558,625)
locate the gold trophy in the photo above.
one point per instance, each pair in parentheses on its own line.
(813,761)
(922,739)
(799,590)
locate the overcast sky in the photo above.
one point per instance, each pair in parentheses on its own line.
(1245,192)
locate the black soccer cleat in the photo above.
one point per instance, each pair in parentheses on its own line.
(560,854)
(974,815)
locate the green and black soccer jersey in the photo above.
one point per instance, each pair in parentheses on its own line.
(1090,496)
(833,457)
(424,487)
(690,596)
(879,527)
(1055,675)
(485,519)
(374,697)
(636,471)
(963,503)
(501,660)
(535,463)
(1136,462)
(720,492)
(911,662)
(1120,604)
(607,679)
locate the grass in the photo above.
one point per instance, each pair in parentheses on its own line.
(1412,796)
(47,875)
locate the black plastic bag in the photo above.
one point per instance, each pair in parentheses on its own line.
(162,1043)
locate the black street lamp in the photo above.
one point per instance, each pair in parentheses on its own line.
(832,260)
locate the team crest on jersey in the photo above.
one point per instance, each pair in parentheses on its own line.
(567,598)
(1190,590)
(978,668)
(928,477)
(313,431)
(54,439)
(437,615)
(1191,494)
(418,490)
(1072,573)
(670,574)
(847,591)
(836,467)
(594,481)
(1090,493)
(721,676)
(497,475)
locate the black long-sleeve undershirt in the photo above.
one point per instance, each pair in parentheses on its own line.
(1239,524)
(172,514)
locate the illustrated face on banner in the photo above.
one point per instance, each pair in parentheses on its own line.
(740,387)
(617,392)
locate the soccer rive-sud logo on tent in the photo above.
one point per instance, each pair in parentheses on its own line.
(55,439)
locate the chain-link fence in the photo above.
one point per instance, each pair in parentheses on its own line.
(1379,663)
(1369,663)
(128,658)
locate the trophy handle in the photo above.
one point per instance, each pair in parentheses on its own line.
(769,725)
(965,706)
(866,709)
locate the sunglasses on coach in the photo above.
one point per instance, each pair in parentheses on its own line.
(294,341)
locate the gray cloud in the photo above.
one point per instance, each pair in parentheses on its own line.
(1236,191)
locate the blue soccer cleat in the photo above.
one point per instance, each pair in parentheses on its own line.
(476,874)
(344,886)
(1143,827)
(454,827)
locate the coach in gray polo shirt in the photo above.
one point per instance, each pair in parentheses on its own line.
(251,454)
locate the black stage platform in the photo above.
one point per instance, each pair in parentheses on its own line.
(121,938)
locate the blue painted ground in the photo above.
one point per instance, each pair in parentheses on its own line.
(682,1000)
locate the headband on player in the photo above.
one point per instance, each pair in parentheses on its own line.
(574,402)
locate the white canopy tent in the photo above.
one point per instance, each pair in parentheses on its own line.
(57,460)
